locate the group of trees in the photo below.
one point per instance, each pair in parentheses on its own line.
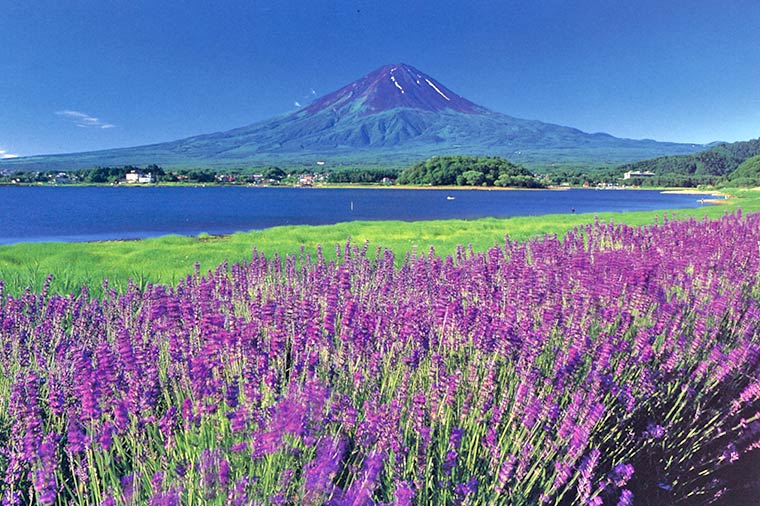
(746,174)
(673,180)
(460,170)
(711,166)
(362,175)
(271,174)
(116,174)
(580,177)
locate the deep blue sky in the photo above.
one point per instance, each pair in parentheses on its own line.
(88,74)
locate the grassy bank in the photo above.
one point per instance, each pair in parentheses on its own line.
(168,259)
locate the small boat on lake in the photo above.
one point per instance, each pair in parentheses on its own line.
(450,197)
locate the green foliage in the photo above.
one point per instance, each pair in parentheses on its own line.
(673,180)
(472,178)
(746,174)
(95,175)
(706,167)
(274,173)
(468,171)
(362,175)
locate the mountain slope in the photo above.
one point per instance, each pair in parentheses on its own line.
(718,161)
(746,174)
(393,115)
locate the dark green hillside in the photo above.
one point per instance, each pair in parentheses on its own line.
(469,171)
(705,167)
(746,174)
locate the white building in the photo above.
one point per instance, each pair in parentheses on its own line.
(636,173)
(136,177)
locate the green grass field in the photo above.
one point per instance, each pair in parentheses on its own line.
(170,258)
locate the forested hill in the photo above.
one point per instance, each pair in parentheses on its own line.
(746,174)
(708,166)
(455,170)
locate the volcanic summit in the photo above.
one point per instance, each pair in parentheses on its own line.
(391,87)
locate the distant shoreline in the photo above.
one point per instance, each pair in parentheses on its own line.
(355,186)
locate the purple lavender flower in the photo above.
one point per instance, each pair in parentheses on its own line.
(586,474)
(76,440)
(157,482)
(455,439)
(730,453)
(238,495)
(106,436)
(128,487)
(654,431)
(225,472)
(121,416)
(620,474)
(170,498)
(232,394)
(187,412)
(360,492)
(45,484)
(464,490)
(505,473)
(404,494)
(626,498)
(238,419)
(319,473)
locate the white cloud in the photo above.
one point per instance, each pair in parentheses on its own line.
(306,98)
(4,155)
(84,120)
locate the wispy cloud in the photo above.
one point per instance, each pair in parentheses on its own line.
(5,155)
(84,120)
(306,98)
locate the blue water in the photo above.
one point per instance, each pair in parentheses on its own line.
(95,213)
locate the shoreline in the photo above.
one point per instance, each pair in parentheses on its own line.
(688,191)
(720,199)
(378,186)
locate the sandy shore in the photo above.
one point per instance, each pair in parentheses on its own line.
(687,191)
(719,198)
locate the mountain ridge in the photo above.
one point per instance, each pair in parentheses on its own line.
(393,115)
(719,161)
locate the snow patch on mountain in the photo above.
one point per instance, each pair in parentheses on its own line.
(397,84)
(436,89)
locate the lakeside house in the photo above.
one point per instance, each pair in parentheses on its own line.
(226,178)
(137,177)
(62,178)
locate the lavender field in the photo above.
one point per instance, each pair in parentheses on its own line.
(616,365)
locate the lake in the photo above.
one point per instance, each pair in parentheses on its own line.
(80,213)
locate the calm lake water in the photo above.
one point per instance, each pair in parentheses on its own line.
(95,213)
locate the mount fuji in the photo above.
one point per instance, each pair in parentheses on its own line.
(394,115)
